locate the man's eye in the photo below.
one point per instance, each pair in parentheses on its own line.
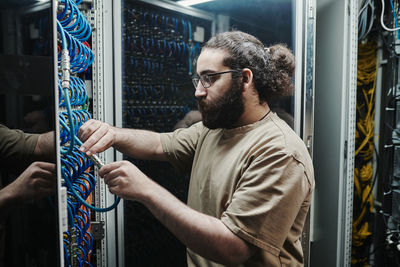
(213,78)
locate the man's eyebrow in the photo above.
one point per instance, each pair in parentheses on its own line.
(207,71)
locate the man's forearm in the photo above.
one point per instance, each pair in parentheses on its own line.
(203,234)
(139,144)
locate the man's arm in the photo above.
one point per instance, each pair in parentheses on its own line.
(140,144)
(203,234)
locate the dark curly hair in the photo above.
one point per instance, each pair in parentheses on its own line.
(272,67)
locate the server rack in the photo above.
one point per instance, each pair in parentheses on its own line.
(160,43)
(105,90)
(27,104)
(99,240)
(304,14)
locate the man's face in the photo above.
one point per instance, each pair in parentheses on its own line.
(221,104)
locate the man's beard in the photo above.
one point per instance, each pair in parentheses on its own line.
(225,111)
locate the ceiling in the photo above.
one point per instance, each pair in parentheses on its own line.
(269,20)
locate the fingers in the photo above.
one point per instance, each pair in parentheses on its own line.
(43,187)
(113,173)
(124,179)
(109,167)
(46,166)
(87,129)
(97,137)
(43,170)
(41,184)
(38,180)
(110,178)
(105,142)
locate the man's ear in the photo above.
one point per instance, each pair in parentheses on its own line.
(247,78)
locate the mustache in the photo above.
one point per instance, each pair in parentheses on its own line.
(202,103)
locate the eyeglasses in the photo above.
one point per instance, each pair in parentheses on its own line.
(206,80)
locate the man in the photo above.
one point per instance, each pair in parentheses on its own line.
(251,176)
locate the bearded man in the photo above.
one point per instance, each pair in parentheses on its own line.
(251,175)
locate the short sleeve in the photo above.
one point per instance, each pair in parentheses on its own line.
(15,145)
(180,146)
(267,200)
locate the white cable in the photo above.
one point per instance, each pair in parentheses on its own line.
(383,24)
(372,16)
(366,5)
(362,9)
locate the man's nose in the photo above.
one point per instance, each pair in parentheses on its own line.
(200,91)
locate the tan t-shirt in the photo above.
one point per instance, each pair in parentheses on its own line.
(257,179)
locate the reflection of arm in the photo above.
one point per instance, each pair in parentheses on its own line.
(17,149)
(190,118)
(7,197)
(44,149)
(17,146)
(38,180)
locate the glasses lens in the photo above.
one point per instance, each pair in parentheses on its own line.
(195,81)
(205,81)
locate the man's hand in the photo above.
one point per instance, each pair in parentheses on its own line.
(37,181)
(97,137)
(125,179)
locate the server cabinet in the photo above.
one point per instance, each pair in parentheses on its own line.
(335,111)
(86,206)
(160,43)
(152,35)
(28,212)
(144,54)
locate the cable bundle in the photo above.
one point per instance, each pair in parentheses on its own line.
(158,51)
(76,173)
(394,19)
(154,117)
(75,56)
(73,21)
(77,93)
(365,18)
(81,55)
(364,150)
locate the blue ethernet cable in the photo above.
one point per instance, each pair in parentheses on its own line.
(395,19)
(81,200)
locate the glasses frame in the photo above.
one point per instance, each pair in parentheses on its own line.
(205,78)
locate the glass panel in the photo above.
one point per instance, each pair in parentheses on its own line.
(160,43)
(159,47)
(28,215)
(268,20)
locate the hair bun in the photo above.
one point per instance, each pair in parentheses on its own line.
(280,71)
(283,58)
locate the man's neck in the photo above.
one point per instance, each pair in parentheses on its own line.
(253,114)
